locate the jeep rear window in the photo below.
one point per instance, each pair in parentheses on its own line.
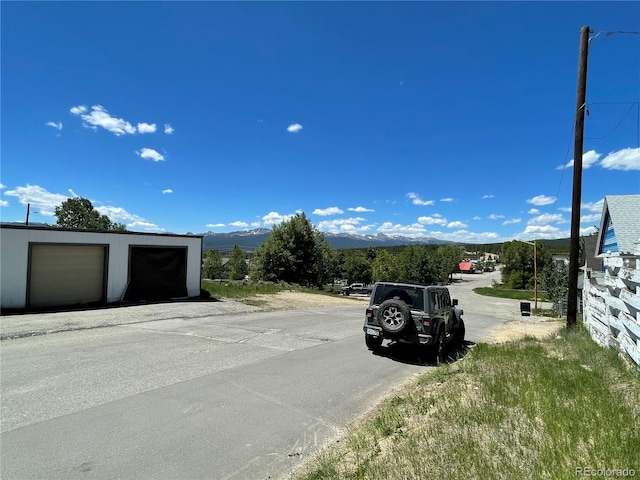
(411,296)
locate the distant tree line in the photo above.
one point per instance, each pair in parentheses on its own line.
(296,252)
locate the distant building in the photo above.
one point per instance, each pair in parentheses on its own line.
(467,267)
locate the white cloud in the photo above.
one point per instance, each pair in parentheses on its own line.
(592,217)
(533,211)
(340,225)
(215,225)
(99,117)
(435,219)
(511,221)
(168,129)
(416,200)
(273,218)
(344,225)
(56,125)
(294,128)
(146,128)
(464,236)
(119,214)
(626,159)
(323,212)
(546,231)
(168,190)
(488,196)
(546,219)
(477,218)
(150,154)
(39,198)
(3,203)
(145,226)
(585,232)
(360,209)
(239,224)
(78,110)
(256,224)
(448,199)
(588,159)
(456,224)
(415,229)
(541,200)
(493,216)
(594,207)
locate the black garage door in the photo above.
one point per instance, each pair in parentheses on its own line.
(157,273)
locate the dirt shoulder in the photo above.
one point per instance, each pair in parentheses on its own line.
(538,327)
(299,300)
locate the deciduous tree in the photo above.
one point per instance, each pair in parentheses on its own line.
(292,253)
(385,267)
(518,265)
(79,213)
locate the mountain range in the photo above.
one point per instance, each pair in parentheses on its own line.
(249,240)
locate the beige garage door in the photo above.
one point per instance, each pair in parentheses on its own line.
(66,274)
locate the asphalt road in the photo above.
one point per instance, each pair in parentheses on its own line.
(197,396)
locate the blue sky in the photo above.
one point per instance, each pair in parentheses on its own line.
(450,120)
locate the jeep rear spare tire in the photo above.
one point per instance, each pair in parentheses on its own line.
(394,315)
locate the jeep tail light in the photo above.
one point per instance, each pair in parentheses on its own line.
(369,312)
(426,321)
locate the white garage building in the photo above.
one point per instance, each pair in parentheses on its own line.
(49,266)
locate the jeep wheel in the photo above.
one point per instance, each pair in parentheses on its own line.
(394,315)
(439,349)
(460,332)
(373,343)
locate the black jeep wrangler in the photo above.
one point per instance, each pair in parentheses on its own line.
(419,314)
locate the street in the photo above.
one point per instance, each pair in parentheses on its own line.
(233,396)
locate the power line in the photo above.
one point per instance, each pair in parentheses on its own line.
(606,34)
(634,104)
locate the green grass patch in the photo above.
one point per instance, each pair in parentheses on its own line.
(240,290)
(498,291)
(543,312)
(530,408)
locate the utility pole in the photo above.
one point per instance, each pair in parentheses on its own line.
(574,246)
(28,208)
